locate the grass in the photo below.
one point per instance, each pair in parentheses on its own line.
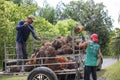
(16,77)
(101,72)
(111,73)
(107,56)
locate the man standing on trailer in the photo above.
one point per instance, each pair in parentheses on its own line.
(24,28)
(92,54)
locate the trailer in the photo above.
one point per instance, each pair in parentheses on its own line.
(73,70)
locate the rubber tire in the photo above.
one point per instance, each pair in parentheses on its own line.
(99,67)
(43,70)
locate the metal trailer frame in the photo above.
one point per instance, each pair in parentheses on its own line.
(78,60)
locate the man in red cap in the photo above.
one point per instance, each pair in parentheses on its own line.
(24,28)
(92,54)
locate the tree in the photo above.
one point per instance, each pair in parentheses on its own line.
(115,44)
(21,2)
(10,15)
(61,28)
(92,16)
(59,11)
(44,28)
(119,18)
(47,12)
(65,27)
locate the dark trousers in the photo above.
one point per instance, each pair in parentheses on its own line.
(88,70)
(21,51)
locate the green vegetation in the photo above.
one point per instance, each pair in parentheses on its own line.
(116,44)
(112,72)
(108,56)
(10,14)
(17,77)
(92,16)
(60,21)
(55,21)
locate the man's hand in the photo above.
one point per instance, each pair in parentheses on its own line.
(25,23)
(39,39)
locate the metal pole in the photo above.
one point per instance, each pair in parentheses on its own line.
(73,40)
(5,56)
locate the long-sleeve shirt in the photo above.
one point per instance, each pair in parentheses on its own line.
(23,32)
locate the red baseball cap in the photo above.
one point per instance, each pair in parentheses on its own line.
(94,37)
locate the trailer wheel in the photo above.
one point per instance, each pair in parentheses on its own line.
(42,73)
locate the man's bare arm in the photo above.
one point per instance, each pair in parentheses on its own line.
(83,44)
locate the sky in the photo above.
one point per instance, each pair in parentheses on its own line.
(113,7)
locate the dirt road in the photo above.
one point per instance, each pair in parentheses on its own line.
(107,62)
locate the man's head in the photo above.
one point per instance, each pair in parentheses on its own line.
(94,37)
(30,19)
